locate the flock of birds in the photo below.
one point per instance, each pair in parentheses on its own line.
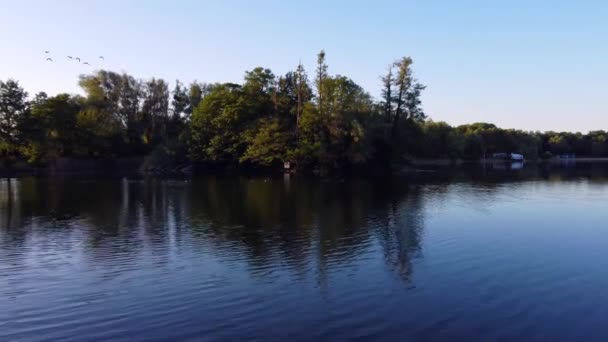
(49,59)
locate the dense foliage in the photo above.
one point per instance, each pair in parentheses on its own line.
(328,122)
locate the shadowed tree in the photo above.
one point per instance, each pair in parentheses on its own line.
(155,110)
(303,93)
(320,80)
(275,136)
(387,93)
(180,100)
(13,105)
(406,99)
(214,134)
(51,127)
(130,111)
(196,92)
(262,121)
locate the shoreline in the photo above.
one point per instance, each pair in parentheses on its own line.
(457,162)
(135,167)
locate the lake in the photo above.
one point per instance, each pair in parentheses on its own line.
(460,254)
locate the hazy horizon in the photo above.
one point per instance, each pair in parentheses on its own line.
(518,65)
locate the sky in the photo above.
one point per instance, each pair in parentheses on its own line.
(531,65)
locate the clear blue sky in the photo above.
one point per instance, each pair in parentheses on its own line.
(533,65)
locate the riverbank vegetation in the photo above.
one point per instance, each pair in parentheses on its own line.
(314,120)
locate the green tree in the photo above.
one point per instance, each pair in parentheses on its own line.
(269,143)
(50,128)
(101,122)
(387,93)
(155,110)
(119,96)
(131,94)
(274,137)
(180,100)
(320,80)
(303,93)
(349,110)
(196,93)
(97,133)
(436,140)
(13,105)
(215,135)
(407,96)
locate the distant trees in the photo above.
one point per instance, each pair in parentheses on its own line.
(479,140)
(327,122)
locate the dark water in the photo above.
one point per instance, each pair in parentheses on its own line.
(459,255)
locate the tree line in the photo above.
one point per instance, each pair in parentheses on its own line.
(323,120)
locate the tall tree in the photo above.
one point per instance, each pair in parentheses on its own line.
(180,100)
(51,128)
(303,93)
(274,138)
(407,98)
(403,82)
(351,109)
(101,123)
(13,105)
(103,91)
(131,94)
(195,95)
(387,93)
(216,125)
(155,109)
(117,95)
(320,80)
(413,102)
(179,106)
(39,98)
(97,132)
(262,121)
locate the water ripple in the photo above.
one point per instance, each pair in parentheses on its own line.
(242,259)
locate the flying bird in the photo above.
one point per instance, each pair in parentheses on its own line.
(86,63)
(78,59)
(49,59)
(70,57)
(101,57)
(47,51)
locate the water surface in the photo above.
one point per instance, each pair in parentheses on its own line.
(480,254)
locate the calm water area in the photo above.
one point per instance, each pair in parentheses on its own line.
(480,253)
